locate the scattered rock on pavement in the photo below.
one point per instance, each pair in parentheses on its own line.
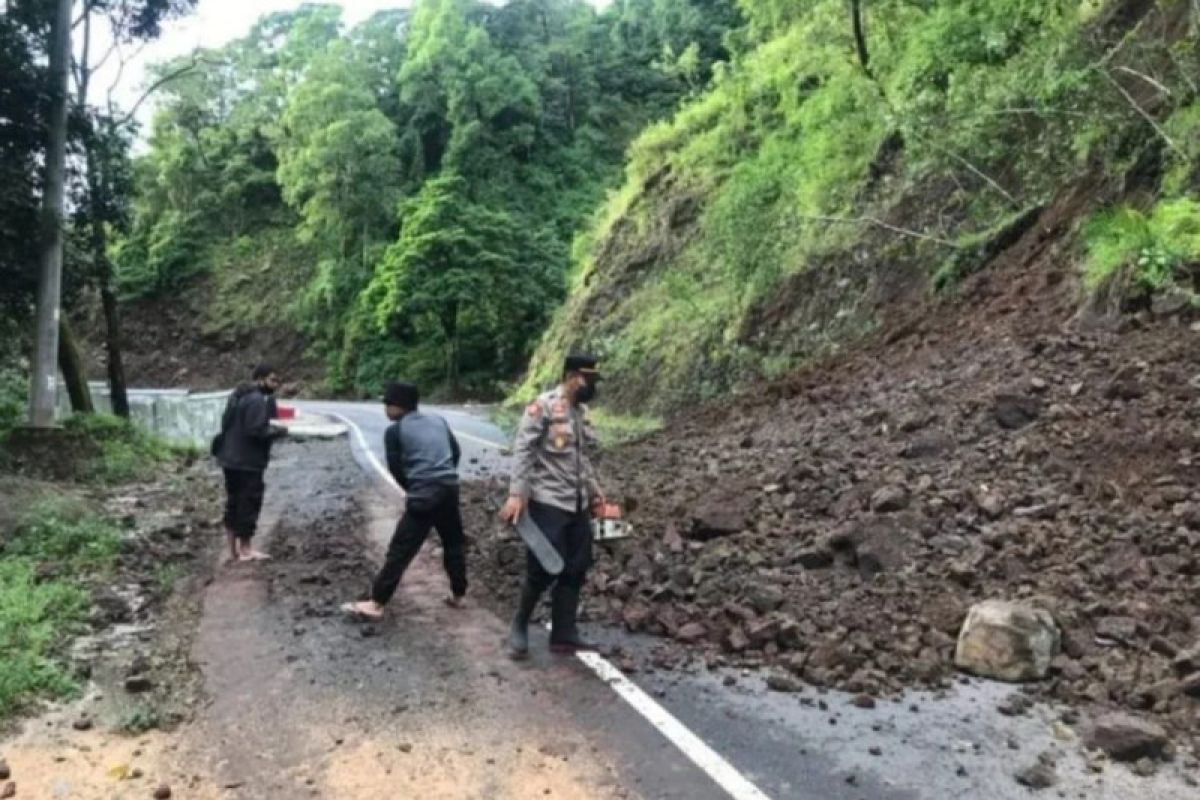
(1124,737)
(1007,641)
(162,793)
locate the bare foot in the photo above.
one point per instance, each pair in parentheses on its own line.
(253,555)
(365,609)
(455,601)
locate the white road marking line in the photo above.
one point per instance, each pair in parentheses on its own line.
(477,439)
(366,448)
(708,760)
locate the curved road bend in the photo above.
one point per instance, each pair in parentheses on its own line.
(806,746)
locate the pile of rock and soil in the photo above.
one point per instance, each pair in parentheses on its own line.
(837,527)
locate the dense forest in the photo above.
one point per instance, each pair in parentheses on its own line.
(404,193)
(703,192)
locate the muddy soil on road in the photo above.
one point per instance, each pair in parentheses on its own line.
(424,704)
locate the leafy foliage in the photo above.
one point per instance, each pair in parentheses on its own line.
(505,123)
(1161,248)
(753,225)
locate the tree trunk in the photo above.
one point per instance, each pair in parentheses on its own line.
(71,364)
(115,366)
(860,37)
(44,379)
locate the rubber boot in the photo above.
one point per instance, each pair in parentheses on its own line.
(518,634)
(564,632)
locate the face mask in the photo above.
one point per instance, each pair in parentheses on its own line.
(585,393)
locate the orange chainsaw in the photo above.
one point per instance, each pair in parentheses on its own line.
(610,525)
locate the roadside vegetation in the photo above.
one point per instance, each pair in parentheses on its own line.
(48,557)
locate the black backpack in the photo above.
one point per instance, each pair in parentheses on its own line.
(214,448)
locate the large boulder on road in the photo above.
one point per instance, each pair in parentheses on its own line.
(1007,641)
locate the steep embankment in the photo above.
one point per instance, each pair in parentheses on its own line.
(835,526)
(208,332)
(804,201)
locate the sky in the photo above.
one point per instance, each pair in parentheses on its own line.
(212,24)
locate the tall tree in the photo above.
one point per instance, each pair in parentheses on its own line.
(44,379)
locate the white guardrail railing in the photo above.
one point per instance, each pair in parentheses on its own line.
(178,415)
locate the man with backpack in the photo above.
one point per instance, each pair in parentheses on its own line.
(422,455)
(243,449)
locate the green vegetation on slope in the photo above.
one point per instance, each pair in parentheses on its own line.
(764,223)
(404,193)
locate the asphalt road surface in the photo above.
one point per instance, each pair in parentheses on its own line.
(809,745)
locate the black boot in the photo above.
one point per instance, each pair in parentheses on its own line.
(518,634)
(564,633)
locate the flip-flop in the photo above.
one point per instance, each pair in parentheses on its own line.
(356,614)
(255,556)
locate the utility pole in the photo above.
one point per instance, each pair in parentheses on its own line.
(43,385)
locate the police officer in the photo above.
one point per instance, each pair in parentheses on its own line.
(554,482)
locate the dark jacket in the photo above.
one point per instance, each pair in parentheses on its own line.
(246,432)
(422,454)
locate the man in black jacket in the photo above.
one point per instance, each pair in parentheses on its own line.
(422,455)
(243,450)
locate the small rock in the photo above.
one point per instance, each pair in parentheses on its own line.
(5,772)
(404,748)
(1145,768)
(1013,412)
(162,793)
(815,558)
(864,701)
(1125,737)
(82,724)
(875,751)
(691,633)
(1039,776)
(782,682)
(9,790)
(136,684)
(1187,662)
(888,499)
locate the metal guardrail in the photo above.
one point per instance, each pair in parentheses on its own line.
(178,415)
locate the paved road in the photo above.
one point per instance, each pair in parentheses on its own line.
(805,746)
(483,444)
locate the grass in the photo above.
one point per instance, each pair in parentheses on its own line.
(39,613)
(1156,247)
(121,452)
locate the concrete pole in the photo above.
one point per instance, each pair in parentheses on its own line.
(44,381)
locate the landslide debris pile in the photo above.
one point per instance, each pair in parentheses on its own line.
(838,527)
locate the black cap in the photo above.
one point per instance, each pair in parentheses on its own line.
(577,362)
(401,393)
(262,370)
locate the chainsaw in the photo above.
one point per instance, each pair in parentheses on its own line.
(610,524)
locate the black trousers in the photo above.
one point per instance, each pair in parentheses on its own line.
(440,511)
(571,535)
(244,490)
